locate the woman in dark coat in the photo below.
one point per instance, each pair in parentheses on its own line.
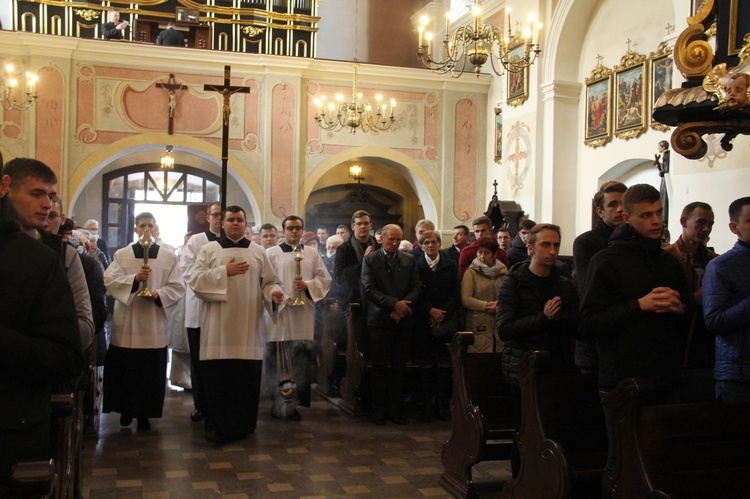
(436,322)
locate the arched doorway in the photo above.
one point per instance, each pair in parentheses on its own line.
(383,193)
(135,188)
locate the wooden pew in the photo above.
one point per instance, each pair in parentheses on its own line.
(33,479)
(357,360)
(62,443)
(481,414)
(562,439)
(680,450)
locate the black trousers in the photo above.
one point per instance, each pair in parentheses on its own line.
(389,351)
(196,379)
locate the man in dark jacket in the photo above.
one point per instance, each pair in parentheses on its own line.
(518,251)
(608,205)
(348,263)
(39,341)
(537,309)
(633,305)
(171,37)
(391,282)
(726,307)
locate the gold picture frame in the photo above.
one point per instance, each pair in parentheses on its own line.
(631,96)
(517,82)
(598,114)
(660,80)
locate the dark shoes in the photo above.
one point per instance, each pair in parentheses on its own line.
(295,416)
(197,415)
(125,420)
(378,418)
(397,417)
(144,424)
(216,437)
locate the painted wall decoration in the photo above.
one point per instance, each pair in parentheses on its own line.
(661,79)
(631,111)
(518,156)
(498,135)
(598,110)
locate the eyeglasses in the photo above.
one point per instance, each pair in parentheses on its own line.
(215,215)
(431,242)
(294,227)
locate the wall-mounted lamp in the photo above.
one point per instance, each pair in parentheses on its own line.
(167,161)
(355,172)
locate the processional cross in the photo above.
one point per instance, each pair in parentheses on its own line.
(173,89)
(227,90)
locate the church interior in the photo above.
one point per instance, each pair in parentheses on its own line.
(128,126)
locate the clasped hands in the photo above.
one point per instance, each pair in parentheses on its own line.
(400,310)
(662,300)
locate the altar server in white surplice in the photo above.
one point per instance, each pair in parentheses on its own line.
(235,280)
(135,369)
(291,330)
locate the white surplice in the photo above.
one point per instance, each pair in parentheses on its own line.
(297,322)
(137,322)
(187,259)
(233,306)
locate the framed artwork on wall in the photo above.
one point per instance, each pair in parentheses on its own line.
(661,79)
(518,82)
(598,110)
(631,91)
(498,135)
(187,16)
(695,5)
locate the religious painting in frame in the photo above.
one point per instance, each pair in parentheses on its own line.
(518,82)
(187,16)
(631,96)
(660,72)
(498,135)
(598,127)
(695,5)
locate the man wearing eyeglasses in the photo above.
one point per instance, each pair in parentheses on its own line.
(290,332)
(193,307)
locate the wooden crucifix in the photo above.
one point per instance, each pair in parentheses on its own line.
(172,88)
(227,90)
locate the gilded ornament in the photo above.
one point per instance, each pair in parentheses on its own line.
(252,31)
(88,14)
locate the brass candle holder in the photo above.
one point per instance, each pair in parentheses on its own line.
(298,257)
(146,241)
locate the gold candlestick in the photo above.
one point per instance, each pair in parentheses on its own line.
(298,257)
(146,241)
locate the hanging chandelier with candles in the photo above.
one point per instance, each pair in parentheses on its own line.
(356,114)
(9,84)
(477,42)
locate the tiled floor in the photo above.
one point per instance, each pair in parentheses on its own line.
(327,454)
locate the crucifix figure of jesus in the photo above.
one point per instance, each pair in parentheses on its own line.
(173,89)
(226,90)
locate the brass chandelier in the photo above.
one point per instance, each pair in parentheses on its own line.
(9,83)
(477,42)
(356,113)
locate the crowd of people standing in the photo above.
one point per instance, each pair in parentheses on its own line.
(253,307)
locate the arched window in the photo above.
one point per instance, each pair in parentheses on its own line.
(126,188)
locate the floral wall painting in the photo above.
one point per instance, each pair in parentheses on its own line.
(498,135)
(631,111)
(518,164)
(598,119)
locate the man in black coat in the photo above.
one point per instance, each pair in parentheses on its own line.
(39,341)
(537,309)
(633,305)
(348,263)
(518,252)
(608,205)
(171,37)
(391,282)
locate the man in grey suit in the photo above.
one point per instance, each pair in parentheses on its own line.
(391,282)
